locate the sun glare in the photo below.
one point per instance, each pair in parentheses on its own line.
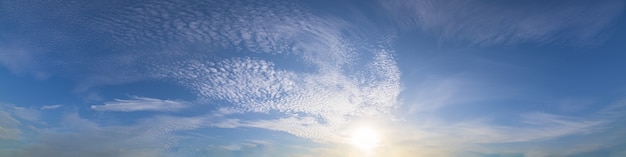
(365,138)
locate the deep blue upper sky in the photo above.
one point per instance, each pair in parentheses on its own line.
(313,78)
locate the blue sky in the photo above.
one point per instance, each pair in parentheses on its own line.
(309,78)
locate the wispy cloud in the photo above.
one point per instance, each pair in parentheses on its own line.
(301,68)
(20,61)
(324,101)
(189,30)
(488,23)
(9,126)
(536,127)
(141,104)
(334,89)
(191,38)
(154,136)
(15,121)
(15,60)
(27,113)
(49,107)
(528,137)
(243,145)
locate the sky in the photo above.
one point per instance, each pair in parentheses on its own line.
(294,78)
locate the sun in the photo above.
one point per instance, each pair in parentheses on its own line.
(365,138)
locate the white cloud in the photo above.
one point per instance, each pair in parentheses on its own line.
(49,107)
(141,104)
(342,83)
(265,27)
(16,60)
(26,113)
(233,147)
(9,126)
(536,127)
(324,101)
(15,121)
(21,61)
(534,134)
(334,89)
(306,127)
(186,31)
(148,137)
(244,145)
(488,23)
(431,95)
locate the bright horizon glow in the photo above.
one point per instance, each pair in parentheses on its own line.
(365,138)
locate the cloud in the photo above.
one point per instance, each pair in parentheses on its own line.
(99,143)
(9,126)
(91,138)
(304,73)
(16,60)
(28,114)
(136,32)
(192,43)
(244,145)
(155,136)
(431,95)
(324,82)
(306,127)
(49,107)
(20,61)
(17,121)
(487,23)
(324,100)
(536,127)
(277,27)
(141,104)
(532,134)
